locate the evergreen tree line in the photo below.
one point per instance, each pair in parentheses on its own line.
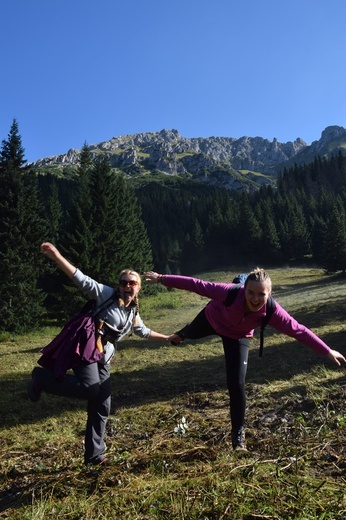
(95,221)
(103,224)
(203,227)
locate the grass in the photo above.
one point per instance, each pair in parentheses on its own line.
(296,423)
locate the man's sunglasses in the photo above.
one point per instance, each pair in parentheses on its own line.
(131,283)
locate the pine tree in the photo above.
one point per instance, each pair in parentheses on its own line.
(249,231)
(120,237)
(334,245)
(22,228)
(12,151)
(293,230)
(300,241)
(271,248)
(55,213)
(318,233)
(193,249)
(133,245)
(80,237)
(49,281)
(106,231)
(76,241)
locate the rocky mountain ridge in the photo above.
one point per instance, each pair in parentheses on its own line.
(225,161)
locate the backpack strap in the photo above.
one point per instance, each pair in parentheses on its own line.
(270,310)
(232,294)
(105,304)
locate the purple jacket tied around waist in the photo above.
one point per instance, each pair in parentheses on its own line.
(75,343)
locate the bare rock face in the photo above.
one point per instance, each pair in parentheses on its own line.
(217,160)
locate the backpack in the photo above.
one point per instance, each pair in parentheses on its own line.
(103,329)
(240,278)
(231,296)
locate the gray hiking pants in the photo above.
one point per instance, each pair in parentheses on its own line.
(92,383)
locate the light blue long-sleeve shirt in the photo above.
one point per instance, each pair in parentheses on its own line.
(119,318)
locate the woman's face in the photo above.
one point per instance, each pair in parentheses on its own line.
(256,295)
(129,287)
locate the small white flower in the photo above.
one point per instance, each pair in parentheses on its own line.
(182,427)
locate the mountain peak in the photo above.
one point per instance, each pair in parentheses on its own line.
(333,132)
(225,161)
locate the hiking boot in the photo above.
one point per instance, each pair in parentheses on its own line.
(35,388)
(98,463)
(103,462)
(238,440)
(180,339)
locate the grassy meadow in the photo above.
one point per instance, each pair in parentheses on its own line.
(162,468)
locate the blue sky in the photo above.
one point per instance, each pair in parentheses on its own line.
(75,71)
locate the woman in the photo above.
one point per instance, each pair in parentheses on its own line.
(118,313)
(235,324)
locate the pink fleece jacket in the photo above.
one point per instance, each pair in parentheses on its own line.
(233,322)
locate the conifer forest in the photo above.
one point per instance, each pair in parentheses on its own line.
(103,222)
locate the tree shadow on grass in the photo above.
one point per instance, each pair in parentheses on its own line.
(165,381)
(173,379)
(159,378)
(299,288)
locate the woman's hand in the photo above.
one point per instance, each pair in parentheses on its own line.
(54,254)
(336,356)
(152,277)
(49,250)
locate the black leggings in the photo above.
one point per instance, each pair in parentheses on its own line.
(236,356)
